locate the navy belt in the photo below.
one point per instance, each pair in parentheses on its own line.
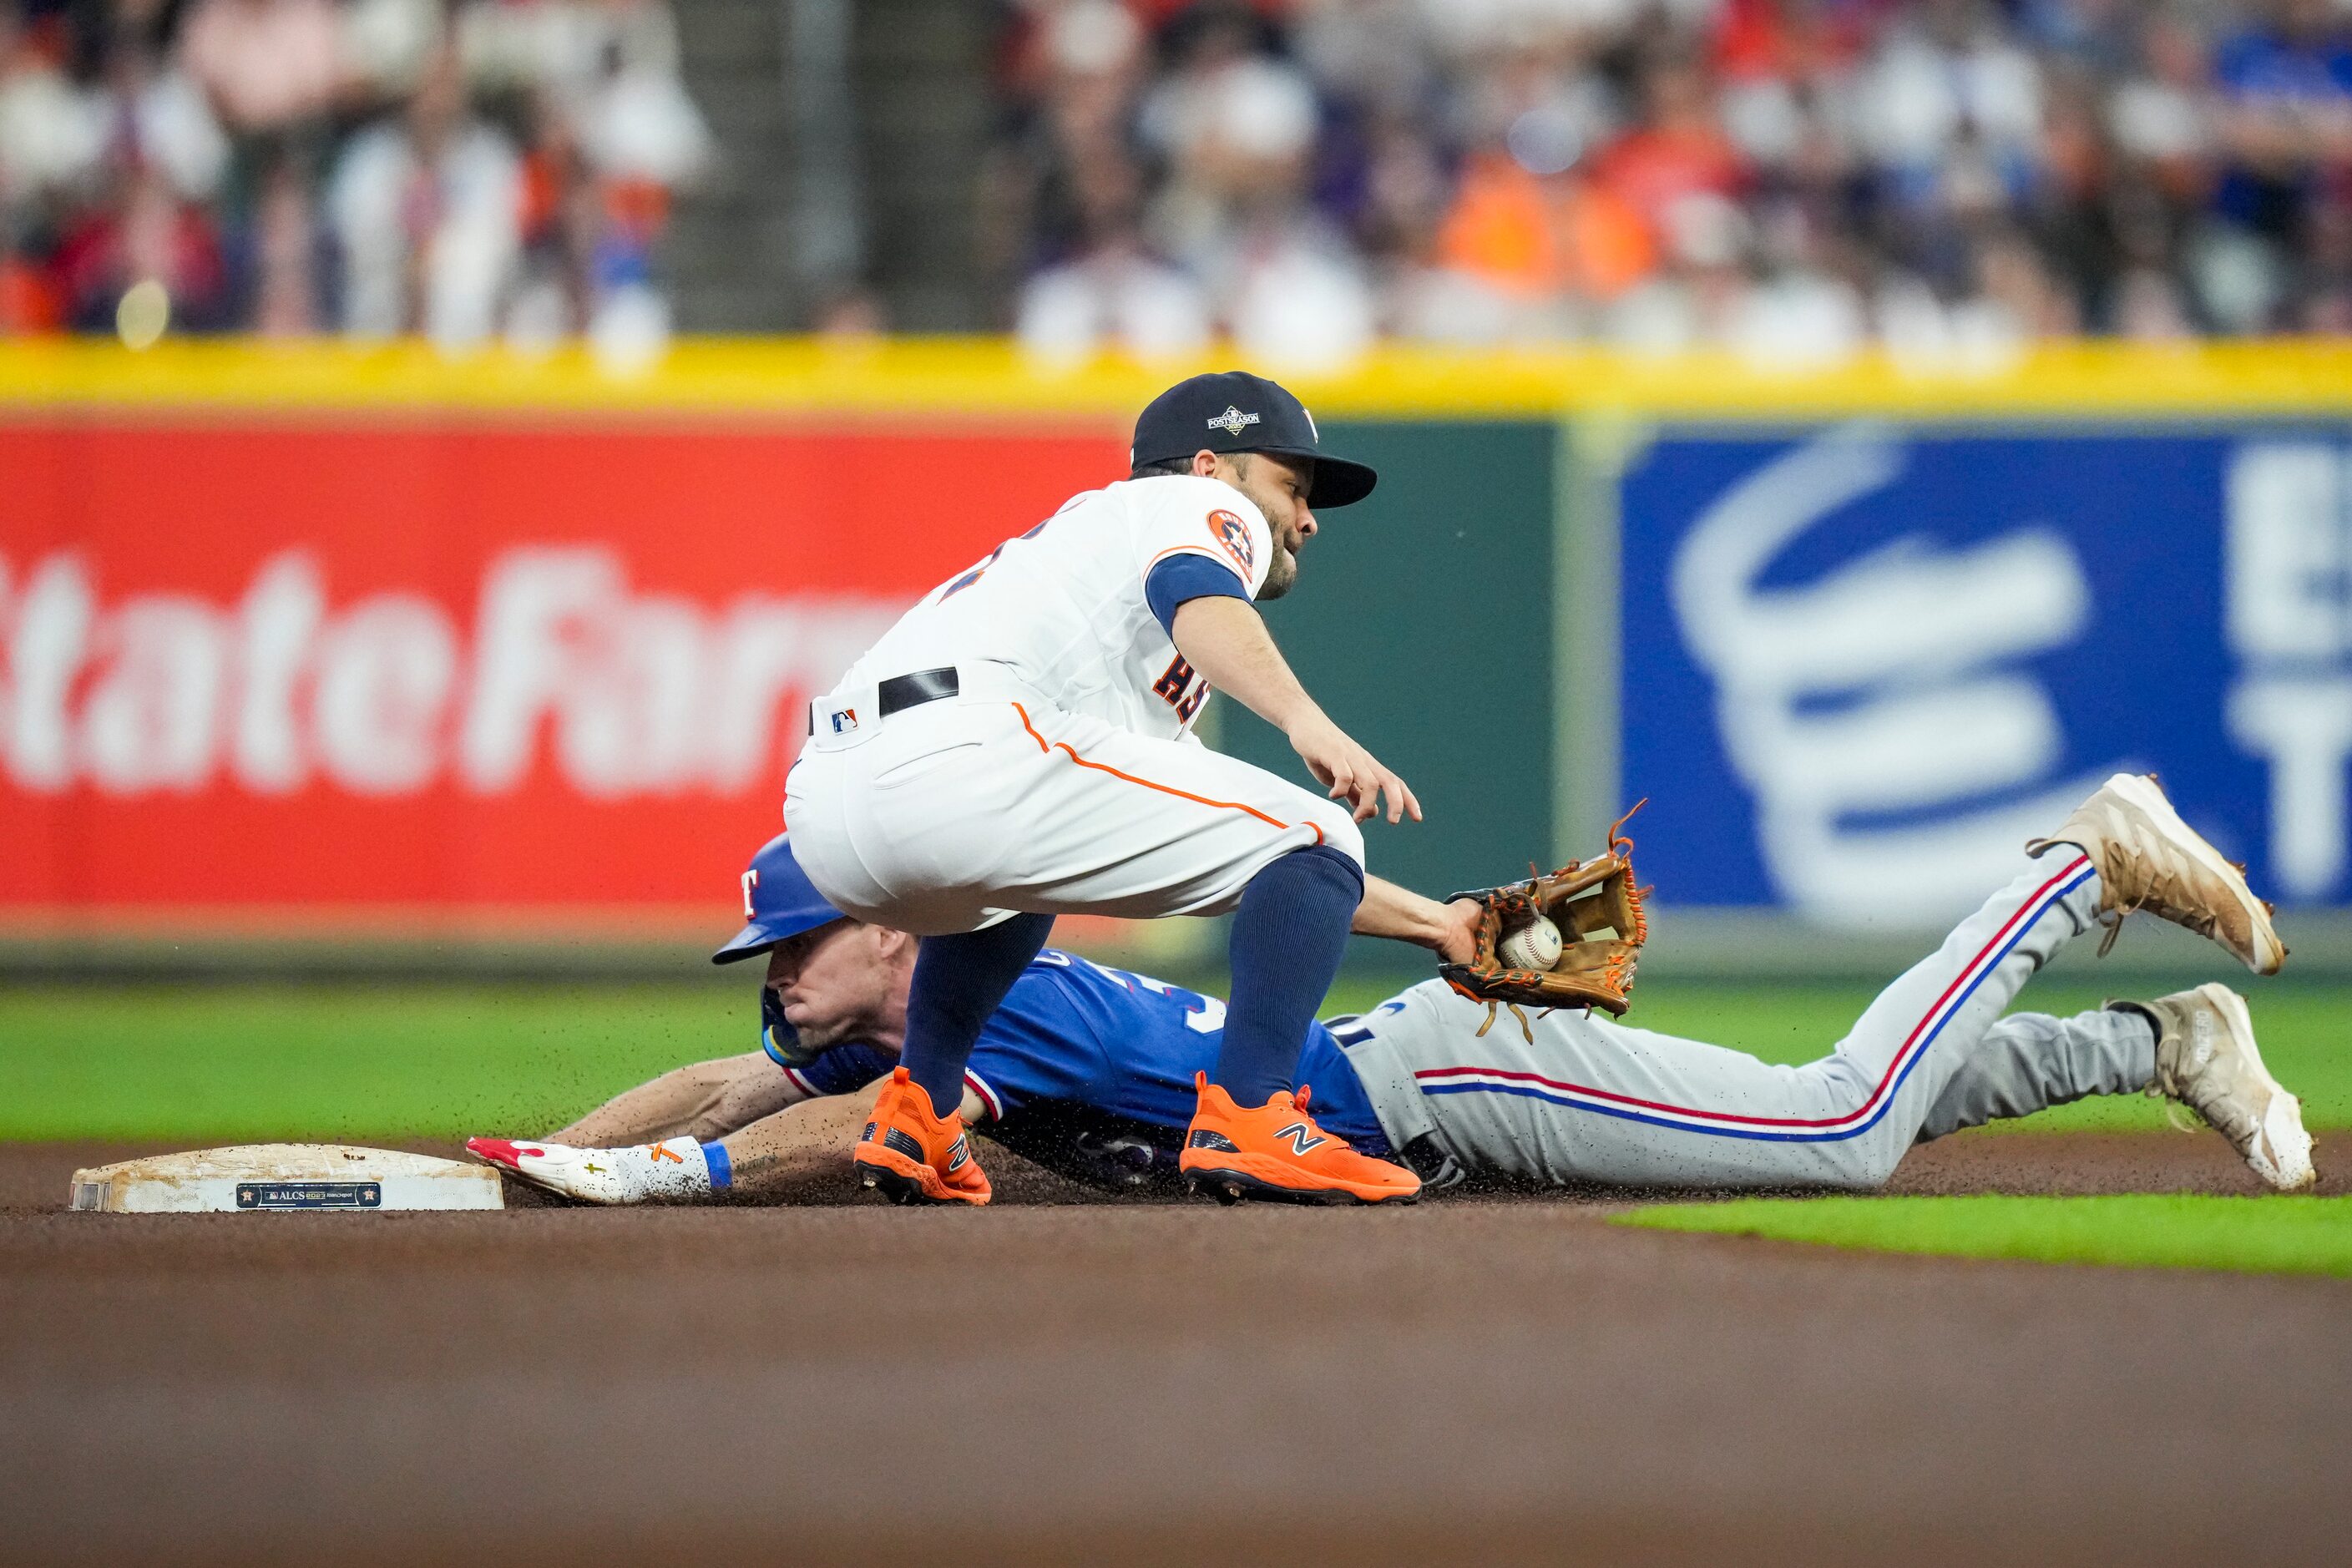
(901,692)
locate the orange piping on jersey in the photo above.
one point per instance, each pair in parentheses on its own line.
(1064,746)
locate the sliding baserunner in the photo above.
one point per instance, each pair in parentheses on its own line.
(1091,1069)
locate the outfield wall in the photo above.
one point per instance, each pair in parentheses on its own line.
(313,647)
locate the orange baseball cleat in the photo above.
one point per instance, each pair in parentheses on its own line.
(915,1156)
(1277,1151)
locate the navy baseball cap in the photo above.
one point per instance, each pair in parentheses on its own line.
(779,902)
(1233,411)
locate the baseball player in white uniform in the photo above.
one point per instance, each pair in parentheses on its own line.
(1020,745)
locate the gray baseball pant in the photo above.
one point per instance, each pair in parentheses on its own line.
(1592,1100)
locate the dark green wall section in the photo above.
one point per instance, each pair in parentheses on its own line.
(1423,623)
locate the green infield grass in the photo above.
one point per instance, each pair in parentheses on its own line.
(241,1063)
(219,1062)
(2276,1235)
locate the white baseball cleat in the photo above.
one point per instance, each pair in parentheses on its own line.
(2206,1059)
(673,1171)
(2148,858)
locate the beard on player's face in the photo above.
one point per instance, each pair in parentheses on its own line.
(1279,486)
(1280,573)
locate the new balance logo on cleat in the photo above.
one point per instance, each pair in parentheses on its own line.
(1275,1151)
(1301,1136)
(957,1156)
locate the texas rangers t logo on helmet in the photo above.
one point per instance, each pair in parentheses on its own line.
(1232,420)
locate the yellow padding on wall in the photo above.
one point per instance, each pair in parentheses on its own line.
(988,378)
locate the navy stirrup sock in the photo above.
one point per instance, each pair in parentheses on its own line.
(1289,934)
(958,981)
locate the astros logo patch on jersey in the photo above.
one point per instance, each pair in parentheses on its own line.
(1234,536)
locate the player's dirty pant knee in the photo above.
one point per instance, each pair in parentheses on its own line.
(1861,1164)
(1864,1163)
(1862,1160)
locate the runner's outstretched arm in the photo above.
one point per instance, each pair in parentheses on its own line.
(703,1101)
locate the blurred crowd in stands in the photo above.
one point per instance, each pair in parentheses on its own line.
(1790,178)
(467,170)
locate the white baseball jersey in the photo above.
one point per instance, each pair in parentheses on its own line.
(1063,778)
(1063,606)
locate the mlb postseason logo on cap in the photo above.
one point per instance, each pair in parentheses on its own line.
(1243,413)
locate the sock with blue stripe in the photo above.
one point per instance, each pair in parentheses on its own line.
(1289,934)
(958,981)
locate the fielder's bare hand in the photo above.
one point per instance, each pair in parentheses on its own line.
(1348,772)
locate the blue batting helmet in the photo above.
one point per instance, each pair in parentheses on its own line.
(779,902)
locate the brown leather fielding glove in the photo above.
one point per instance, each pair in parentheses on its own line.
(1598,909)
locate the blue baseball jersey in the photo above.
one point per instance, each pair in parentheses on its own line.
(1073,1033)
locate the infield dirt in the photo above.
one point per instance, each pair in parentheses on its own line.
(1472,1380)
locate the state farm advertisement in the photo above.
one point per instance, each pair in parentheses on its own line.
(327,674)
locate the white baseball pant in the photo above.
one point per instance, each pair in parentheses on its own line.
(953,814)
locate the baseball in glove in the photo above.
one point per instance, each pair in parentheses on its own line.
(1598,909)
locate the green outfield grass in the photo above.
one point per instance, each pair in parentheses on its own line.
(240,1062)
(2264,1235)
